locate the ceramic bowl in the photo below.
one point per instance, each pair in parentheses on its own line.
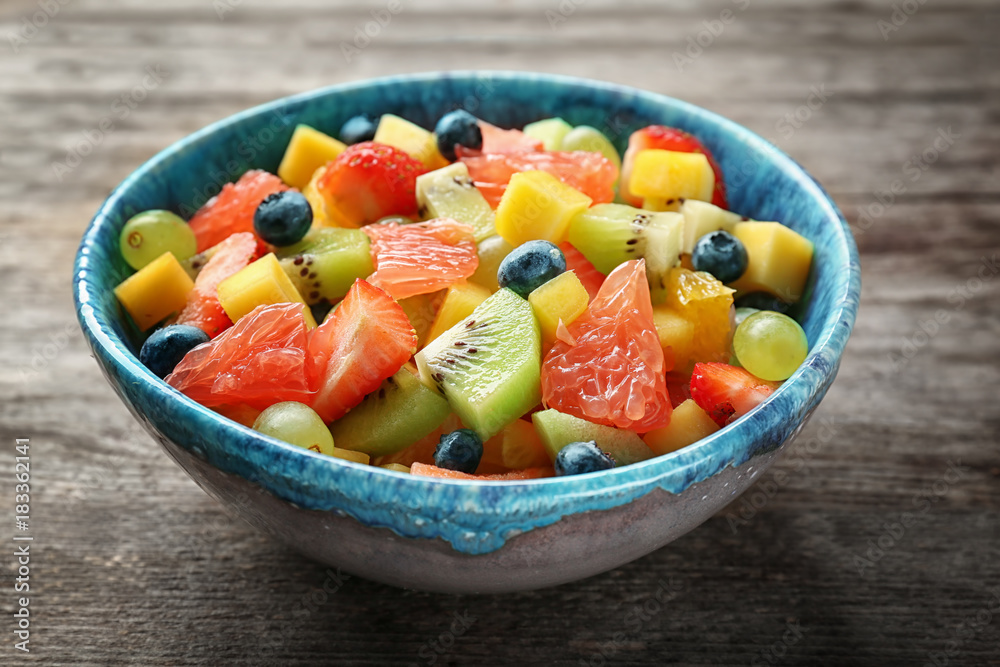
(460,536)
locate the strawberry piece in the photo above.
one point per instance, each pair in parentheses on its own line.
(364,341)
(203,309)
(668,139)
(591,278)
(369,181)
(259,361)
(232,210)
(727,392)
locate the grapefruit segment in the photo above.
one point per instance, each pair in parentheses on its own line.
(259,361)
(421,258)
(590,173)
(615,374)
(232,210)
(425,470)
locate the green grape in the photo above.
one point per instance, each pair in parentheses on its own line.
(586,138)
(297,424)
(492,250)
(149,234)
(742,314)
(770,345)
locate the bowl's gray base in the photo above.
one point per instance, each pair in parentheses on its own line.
(575,547)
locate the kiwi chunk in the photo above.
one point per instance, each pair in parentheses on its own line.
(450,193)
(488,365)
(558,429)
(393,417)
(325,263)
(611,234)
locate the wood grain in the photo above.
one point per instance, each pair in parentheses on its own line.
(133,564)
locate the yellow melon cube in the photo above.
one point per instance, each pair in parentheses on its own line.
(778,260)
(459,302)
(660,174)
(708,304)
(413,139)
(675,332)
(702,218)
(260,283)
(537,205)
(308,150)
(688,424)
(398,467)
(155,291)
(562,298)
(350,455)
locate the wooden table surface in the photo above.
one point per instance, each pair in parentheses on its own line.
(131,563)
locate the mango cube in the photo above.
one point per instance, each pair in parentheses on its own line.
(155,291)
(537,205)
(260,283)
(708,304)
(308,150)
(459,302)
(562,298)
(349,455)
(660,174)
(688,424)
(779,260)
(675,332)
(410,138)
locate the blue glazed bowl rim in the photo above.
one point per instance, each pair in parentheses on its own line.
(673,472)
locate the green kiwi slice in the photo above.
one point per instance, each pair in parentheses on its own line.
(325,263)
(558,429)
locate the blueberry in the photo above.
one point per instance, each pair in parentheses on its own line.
(167,346)
(762,301)
(357,129)
(530,265)
(457,127)
(283,218)
(321,310)
(721,254)
(577,458)
(459,450)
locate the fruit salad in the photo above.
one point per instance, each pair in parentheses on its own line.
(472,302)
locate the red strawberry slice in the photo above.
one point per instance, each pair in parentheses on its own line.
(591,278)
(369,181)
(203,309)
(259,361)
(364,341)
(727,392)
(232,210)
(668,139)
